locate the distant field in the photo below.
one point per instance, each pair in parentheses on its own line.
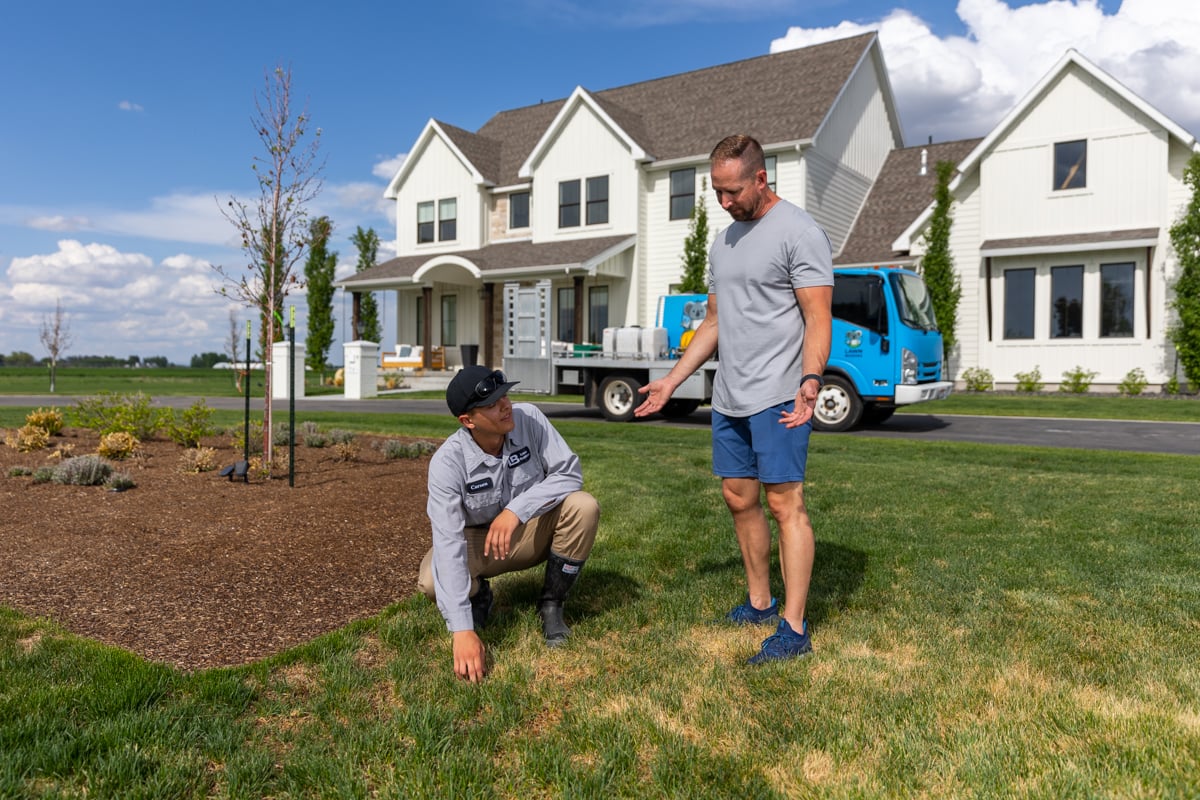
(172,381)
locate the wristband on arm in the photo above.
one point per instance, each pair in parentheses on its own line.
(813,376)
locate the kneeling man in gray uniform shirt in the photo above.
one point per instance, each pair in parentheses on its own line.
(505,494)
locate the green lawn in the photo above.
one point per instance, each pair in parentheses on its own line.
(988,622)
(169,381)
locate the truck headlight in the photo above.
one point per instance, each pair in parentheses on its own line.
(908,366)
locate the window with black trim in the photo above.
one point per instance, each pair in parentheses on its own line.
(1018,303)
(566,314)
(597,313)
(771,161)
(1116,300)
(447,220)
(683,193)
(518,210)
(449,320)
(568,204)
(425,223)
(597,200)
(1070,165)
(1066,302)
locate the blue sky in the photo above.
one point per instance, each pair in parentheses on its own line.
(125,122)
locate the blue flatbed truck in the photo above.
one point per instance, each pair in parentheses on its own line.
(886,352)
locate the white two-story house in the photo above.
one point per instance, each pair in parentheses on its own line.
(1060,235)
(594,192)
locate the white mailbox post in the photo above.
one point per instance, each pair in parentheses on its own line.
(281,376)
(360,369)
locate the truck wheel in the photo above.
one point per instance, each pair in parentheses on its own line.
(839,407)
(678,409)
(619,397)
(876,414)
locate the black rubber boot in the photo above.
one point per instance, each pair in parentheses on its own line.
(481,604)
(560,577)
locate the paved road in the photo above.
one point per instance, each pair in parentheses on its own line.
(1182,438)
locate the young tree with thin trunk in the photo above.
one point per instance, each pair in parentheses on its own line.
(274,227)
(319,273)
(56,338)
(937,265)
(695,248)
(367,243)
(1185,240)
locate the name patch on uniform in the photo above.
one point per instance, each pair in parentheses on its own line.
(475,487)
(519,457)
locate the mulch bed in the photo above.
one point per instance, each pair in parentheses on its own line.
(197,571)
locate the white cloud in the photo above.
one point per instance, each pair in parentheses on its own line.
(957,87)
(388,167)
(126,105)
(58,223)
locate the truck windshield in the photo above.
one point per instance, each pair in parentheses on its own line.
(913,301)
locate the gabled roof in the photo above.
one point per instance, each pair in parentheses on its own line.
(899,194)
(578,98)
(484,152)
(1072,58)
(495,261)
(782,97)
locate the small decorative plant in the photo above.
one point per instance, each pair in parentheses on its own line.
(1029,381)
(978,379)
(50,419)
(91,470)
(1077,381)
(1134,383)
(192,424)
(28,438)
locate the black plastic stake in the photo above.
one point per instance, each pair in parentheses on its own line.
(292,398)
(246,429)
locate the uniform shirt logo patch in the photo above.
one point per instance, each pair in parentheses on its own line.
(519,457)
(482,485)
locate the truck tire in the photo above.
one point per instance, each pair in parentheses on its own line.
(839,408)
(877,414)
(619,397)
(679,408)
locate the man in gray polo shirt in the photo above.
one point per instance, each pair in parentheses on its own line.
(505,494)
(771,278)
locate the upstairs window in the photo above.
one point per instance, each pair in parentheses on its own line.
(568,204)
(446,223)
(518,210)
(1070,165)
(424,222)
(597,200)
(683,193)
(447,220)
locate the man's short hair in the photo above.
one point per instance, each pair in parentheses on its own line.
(740,147)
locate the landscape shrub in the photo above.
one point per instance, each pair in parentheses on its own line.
(1029,381)
(1077,381)
(198,459)
(237,434)
(43,474)
(339,436)
(345,451)
(113,412)
(191,425)
(120,481)
(1172,385)
(28,438)
(978,379)
(395,448)
(19,472)
(1134,383)
(91,470)
(118,445)
(316,439)
(49,419)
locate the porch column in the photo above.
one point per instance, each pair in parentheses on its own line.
(487,296)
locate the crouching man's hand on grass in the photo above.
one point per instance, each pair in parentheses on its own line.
(470,656)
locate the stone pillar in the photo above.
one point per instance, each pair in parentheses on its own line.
(281,375)
(361,360)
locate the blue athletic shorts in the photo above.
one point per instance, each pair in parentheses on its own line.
(760,446)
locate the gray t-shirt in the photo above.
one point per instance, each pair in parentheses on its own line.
(756,268)
(469,488)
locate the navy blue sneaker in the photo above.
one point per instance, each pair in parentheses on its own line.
(782,644)
(481,604)
(746,614)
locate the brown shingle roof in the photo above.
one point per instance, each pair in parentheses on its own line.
(898,197)
(494,258)
(780,97)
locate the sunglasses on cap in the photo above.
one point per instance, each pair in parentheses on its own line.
(487,387)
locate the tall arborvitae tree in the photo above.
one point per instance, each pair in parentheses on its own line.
(937,265)
(319,272)
(695,248)
(367,243)
(1185,240)
(274,227)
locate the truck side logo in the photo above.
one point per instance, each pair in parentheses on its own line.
(854,339)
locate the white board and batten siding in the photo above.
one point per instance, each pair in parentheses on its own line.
(439,175)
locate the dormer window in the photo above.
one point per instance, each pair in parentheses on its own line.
(1070,165)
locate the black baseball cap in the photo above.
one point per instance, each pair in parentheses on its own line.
(476,386)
